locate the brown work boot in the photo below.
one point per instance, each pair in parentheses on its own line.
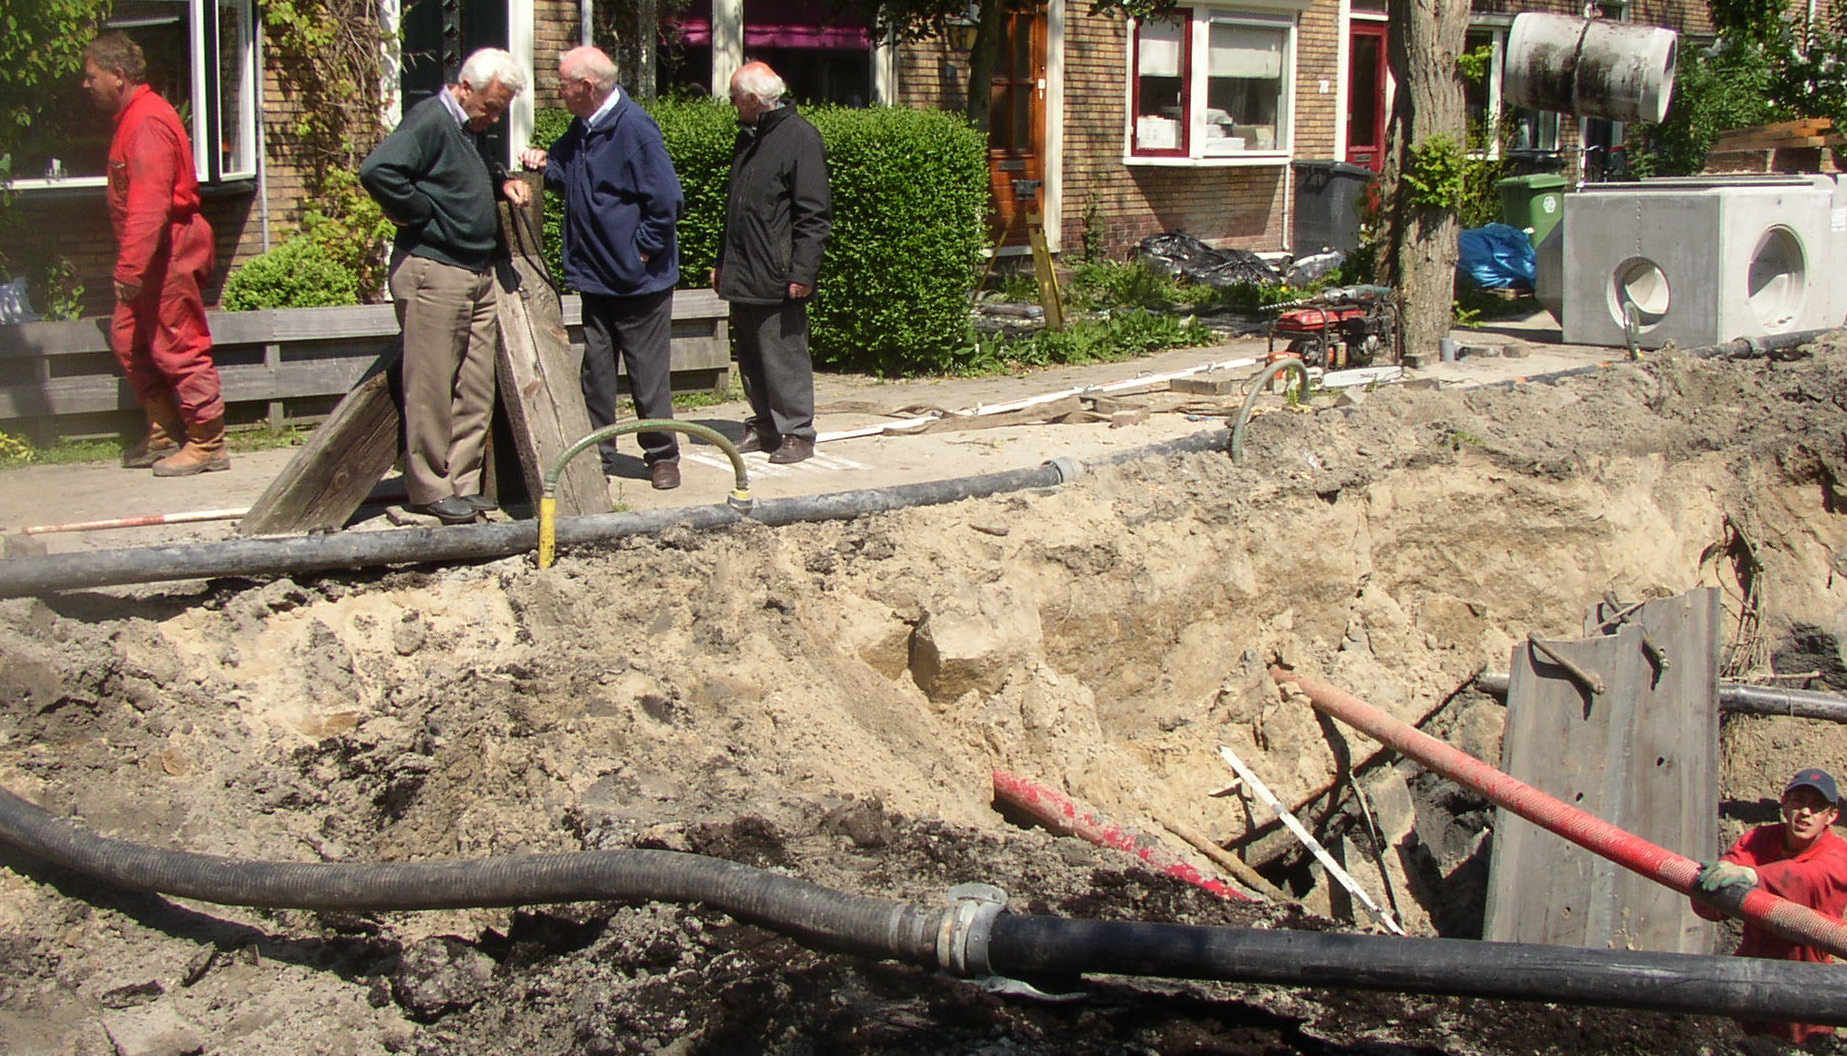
(203,453)
(792,449)
(165,431)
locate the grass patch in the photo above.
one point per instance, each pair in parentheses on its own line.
(1123,335)
(731,393)
(17,451)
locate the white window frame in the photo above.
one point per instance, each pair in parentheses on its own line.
(1283,16)
(208,166)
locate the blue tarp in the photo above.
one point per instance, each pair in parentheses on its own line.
(1497,256)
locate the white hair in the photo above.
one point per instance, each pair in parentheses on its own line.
(593,63)
(759,80)
(492,66)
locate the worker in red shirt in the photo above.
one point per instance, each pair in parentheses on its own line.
(1799,859)
(163,257)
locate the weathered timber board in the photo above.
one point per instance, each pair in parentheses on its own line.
(336,469)
(540,391)
(1641,756)
(1675,786)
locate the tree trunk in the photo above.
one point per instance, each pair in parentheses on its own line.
(982,58)
(1418,245)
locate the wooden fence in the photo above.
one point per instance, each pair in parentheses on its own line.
(279,366)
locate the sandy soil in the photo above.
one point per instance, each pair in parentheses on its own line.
(829,700)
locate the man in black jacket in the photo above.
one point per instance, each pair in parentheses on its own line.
(777,216)
(433,180)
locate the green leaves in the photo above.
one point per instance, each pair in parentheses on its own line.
(910,194)
(1435,174)
(299,273)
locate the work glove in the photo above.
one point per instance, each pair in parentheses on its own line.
(1715,877)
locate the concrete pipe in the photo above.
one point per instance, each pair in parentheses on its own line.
(1590,67)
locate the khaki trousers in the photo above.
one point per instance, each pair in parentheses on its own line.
(450,339)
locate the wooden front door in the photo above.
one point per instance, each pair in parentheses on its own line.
(1016,123)
(1366,80)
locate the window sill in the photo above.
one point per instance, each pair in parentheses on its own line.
(1270,159)
(79,187)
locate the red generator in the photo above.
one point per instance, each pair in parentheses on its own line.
(1342,327)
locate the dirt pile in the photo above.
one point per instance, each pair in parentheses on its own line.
(829,701)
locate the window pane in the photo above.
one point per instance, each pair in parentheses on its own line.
(1364,92)
(162,29)
(1533,130)
(1244,87)
(71,132)
(236,131)
(1475,98)
(1160,90)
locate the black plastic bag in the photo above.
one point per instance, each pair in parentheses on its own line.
(1191,259)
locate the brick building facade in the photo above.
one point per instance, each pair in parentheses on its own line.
(1118,160)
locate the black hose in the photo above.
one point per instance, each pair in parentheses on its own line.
(294,555)
(1766,346)
(1001,944)
(806,911)
(1665,982)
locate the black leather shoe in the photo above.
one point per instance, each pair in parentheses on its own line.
(481,503)
(664,475)
(755,441)
(450,510)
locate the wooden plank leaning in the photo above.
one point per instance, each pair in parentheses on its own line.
(335,470)
(539,389)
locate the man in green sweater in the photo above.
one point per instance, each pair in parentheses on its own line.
(434,180)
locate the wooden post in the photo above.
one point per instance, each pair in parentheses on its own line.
(539,387)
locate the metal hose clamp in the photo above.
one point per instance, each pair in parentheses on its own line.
(962,938)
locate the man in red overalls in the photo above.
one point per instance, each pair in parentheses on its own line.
(164,255)
(1800,859)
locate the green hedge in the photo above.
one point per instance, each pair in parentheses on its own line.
(910,191)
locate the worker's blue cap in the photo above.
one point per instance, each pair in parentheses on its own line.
(1819,780)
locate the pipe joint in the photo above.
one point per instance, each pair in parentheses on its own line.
(1069,469)
(967,926)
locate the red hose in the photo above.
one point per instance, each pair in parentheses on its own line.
(1796,923)
(1062,816)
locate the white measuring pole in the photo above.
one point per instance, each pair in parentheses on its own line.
(1321,853)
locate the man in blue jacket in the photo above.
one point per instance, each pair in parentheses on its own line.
(621,201)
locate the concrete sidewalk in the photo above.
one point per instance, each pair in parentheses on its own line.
(47,495)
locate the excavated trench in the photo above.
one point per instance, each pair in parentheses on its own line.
(829,701)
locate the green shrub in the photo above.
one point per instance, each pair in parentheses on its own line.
(299,273)
(910,194)
(1727,88)
(1119,284)
(16,451)
(910,197)
(339,257)
(699,134)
